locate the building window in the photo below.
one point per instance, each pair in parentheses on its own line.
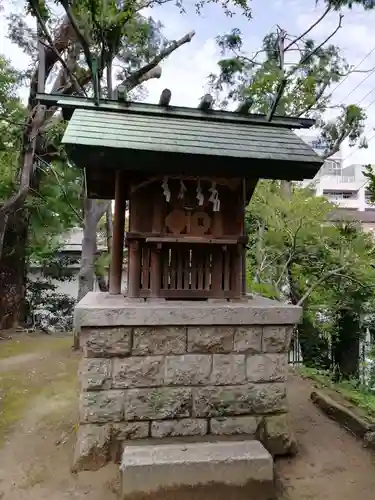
(340,195)
(331,167)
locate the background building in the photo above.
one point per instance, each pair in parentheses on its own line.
(346,186)
(71,249)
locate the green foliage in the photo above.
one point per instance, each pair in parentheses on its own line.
(296,254)
(55,206)
(358,394)
(339,4)
(12,115)
(370,175)
(297,74)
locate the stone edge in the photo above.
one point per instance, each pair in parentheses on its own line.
(185,458)
(102,310)
(345,417)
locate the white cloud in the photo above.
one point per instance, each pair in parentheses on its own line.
(185,73)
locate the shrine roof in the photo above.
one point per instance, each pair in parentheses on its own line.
(168,139)
(188,136)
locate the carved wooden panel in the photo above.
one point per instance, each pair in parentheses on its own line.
(182,245)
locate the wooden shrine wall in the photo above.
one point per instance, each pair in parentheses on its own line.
(180,247)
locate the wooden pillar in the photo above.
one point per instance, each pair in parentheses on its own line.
(134,269)
(217,272)
(118,236)
(236,284)
(243,266)
(134,251)
(157,228)
(243,249)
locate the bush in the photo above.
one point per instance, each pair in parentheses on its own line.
(47,310)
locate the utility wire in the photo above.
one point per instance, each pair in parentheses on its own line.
(360,83)
(355,67)
(373,135)
(362,99)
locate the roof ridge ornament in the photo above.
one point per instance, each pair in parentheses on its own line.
(244,106)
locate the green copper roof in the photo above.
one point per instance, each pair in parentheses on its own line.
(163,133)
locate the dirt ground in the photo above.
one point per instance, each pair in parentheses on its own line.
(38,413)
(331,464)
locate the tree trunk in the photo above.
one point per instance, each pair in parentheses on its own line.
(13,270)
(109,234)
(93,211)
(345,349)
(314,347)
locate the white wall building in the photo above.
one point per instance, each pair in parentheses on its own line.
(343,185)
(347,187)
(72,249)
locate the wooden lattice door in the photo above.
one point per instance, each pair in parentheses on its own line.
(186,249)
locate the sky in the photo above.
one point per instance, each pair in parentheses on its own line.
(185,72)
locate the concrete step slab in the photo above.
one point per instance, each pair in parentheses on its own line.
(237,470)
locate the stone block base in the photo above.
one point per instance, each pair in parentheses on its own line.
(181,369)
(200,471)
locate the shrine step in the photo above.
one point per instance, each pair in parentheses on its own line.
(235,470)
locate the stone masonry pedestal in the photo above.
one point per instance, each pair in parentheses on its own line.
(197,370)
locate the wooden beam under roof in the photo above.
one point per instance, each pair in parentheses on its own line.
(70,103)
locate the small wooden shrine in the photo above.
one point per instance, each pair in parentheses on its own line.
(184,176)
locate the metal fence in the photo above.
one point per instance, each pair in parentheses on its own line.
(295,353)
(366,361)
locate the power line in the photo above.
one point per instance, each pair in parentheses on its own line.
(364,97)
(359,84)
(354,89)
(371,103)
(355,67)
(357,147)
(373,135)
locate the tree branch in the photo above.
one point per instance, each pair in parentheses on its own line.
(16,201)
(336,147)
(51,169)
(344,75)
(308,56)
(135,78)
(63,35)
(328,9)
(150,3)
(65,66)
(291,253)
(81,37)
(319,282)
(284,80)
(318,96)
(350,278)
(51,46)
